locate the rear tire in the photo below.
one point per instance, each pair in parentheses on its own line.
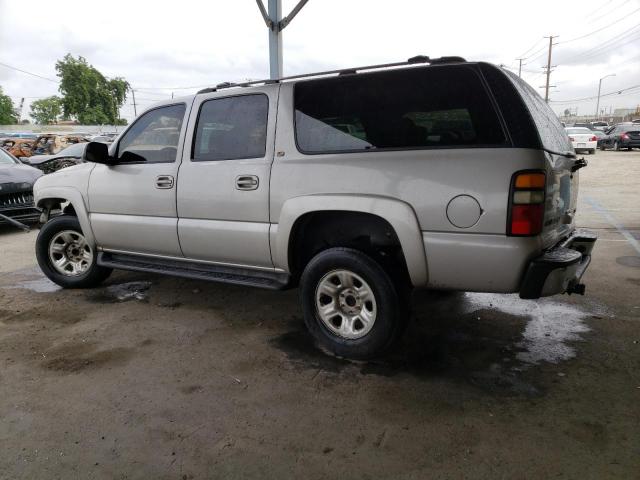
(351,306)
(65,257)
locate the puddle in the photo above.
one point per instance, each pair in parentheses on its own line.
(123,292)
(550,326)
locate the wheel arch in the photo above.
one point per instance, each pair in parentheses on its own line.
(397,214)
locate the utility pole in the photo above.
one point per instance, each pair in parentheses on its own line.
(599,87)
(275,23)
(519,66)
(546,90)
(133,93)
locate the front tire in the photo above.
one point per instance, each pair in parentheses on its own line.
(65,257)
(616,146)
(351,306)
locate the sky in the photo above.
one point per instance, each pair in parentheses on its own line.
(163,47)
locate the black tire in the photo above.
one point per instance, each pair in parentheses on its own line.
(93,276)
(592,151)
(390,304)
(601,147)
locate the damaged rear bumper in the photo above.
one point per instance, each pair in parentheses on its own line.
(559,269)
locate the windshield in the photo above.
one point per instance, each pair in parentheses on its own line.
(6,159)
(579,130)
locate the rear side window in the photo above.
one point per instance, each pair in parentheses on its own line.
(411,108)
(153,138)
(232,128)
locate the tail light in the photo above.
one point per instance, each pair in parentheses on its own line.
(593,139)
(526,205)
(624,136)
(571,139)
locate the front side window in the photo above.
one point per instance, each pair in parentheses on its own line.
(232,128)
(410,108)
(153,138)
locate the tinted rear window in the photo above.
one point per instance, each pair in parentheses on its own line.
(551,131)
(411,108)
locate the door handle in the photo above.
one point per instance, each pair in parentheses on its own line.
(164,181)
(247,182)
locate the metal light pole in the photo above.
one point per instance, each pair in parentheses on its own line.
(275,23)
(599,87)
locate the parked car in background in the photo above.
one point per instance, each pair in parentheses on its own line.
(19,147)
(101,138)
(582,139)
(600,135)
(623,135)
(51,143)
(601,126)
(72,155)
(16,191)
(582,125)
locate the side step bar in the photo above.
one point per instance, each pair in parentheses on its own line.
(195,270)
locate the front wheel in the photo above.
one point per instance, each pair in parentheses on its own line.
(351,306)
(65,256)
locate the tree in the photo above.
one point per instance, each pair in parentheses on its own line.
(567,112)
(89,96)
(7,113)
(46,110)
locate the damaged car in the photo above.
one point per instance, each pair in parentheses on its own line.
(16,192)
(52,143)
(19,147)
(71,155)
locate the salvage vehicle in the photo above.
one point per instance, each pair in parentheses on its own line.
(358,185)
(68,157)
(17,206)
(51,143)
(19,147)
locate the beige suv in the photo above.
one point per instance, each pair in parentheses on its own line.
(358,185)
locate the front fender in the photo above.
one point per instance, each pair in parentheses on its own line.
(399,215)
(74,197)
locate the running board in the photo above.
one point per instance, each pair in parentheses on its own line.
(195,270)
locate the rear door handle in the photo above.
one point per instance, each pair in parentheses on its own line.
(164,181)
(247,182)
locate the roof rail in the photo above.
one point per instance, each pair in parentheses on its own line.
(344,71)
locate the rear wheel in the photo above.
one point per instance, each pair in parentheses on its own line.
(351,306)
(65,256)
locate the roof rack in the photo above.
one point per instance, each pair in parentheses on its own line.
(345,71)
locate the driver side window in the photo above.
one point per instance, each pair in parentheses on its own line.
(154,136)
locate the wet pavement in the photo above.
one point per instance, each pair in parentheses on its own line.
(158,377)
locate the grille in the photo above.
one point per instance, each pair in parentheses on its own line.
(18,199)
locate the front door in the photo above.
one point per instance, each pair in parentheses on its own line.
(132,204)
(223,183)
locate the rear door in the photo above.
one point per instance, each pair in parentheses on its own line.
(223,185)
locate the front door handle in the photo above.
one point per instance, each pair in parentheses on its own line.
(164,181)
(247,182)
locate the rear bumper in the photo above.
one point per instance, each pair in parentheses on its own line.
(584,145)
(559,269)
(629,143)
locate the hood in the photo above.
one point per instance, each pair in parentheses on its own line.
(37,159)
(18,174)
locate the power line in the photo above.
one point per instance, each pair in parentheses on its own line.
(29,73)
(532,47)
(600,29)
(617,92)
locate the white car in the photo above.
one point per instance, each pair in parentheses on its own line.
(582,138)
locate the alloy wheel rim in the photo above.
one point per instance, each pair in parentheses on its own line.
(70,254)
(346,304)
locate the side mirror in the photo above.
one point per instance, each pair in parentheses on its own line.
(97,152)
